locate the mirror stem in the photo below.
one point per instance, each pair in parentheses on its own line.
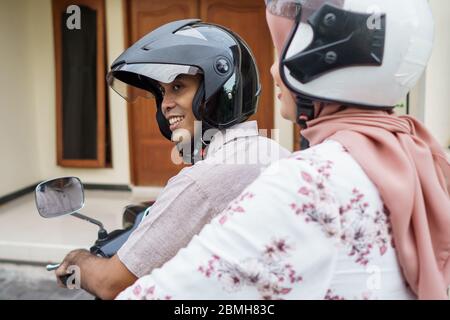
(102,233)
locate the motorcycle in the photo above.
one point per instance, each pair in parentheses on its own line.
(65,196)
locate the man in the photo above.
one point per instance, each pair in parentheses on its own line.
(198,73)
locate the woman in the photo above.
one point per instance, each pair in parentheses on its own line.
(364,213)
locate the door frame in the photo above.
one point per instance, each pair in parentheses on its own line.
(126,39)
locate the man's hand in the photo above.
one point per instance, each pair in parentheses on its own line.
(104,278)
(72,259)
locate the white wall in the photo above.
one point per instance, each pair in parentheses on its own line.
(18,143)
(437,79)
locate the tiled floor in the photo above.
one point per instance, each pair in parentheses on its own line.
(26,236)
(22,282)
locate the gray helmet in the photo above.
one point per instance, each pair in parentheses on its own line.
(230,88)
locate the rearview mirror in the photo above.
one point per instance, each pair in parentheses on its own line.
(59,197)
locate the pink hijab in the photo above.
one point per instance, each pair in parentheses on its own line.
(411,172)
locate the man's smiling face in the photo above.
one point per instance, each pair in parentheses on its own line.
(177,103)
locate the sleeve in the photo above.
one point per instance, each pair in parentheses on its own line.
(171,224)
(277,240)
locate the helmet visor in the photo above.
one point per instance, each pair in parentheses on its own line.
(299,10)
(290,9)
(131,81)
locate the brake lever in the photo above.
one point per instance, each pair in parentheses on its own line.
(52,267)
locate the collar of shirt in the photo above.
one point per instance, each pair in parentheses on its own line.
(240,130)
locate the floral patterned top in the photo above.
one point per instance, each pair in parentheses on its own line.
(312,226)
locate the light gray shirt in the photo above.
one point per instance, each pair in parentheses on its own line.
(234,159)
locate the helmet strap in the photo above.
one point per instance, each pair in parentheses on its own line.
(198,100)
(305,113)
(197,145)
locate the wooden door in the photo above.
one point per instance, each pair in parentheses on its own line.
(248,19)
(150,153)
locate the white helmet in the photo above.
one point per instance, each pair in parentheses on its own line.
(358,52)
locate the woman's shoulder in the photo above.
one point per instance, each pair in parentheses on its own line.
(328,149)
(317,160)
